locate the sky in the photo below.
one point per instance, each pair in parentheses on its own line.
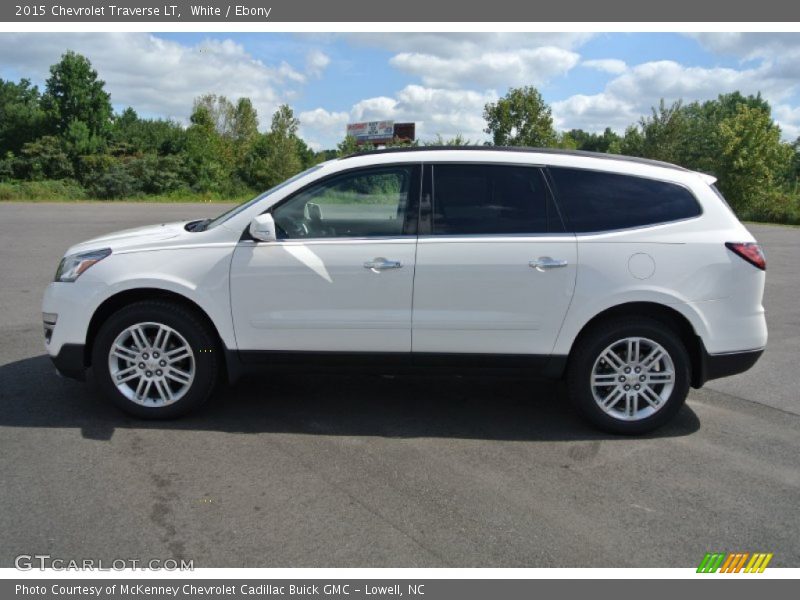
(441,81)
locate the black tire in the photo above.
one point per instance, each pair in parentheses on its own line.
(187,324)
(588,350)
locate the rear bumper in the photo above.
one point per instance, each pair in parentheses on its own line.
(715,366)
(70,361)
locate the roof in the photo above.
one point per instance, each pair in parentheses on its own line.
(556,151)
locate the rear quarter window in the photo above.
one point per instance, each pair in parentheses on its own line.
(595,201)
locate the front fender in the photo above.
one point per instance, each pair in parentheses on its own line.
(199,276)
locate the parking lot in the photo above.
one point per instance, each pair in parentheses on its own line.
(370,471)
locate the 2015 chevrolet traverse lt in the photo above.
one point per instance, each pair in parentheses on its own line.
(631,279)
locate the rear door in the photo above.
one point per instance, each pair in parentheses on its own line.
(495,269)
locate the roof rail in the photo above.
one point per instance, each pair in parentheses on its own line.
(557,151)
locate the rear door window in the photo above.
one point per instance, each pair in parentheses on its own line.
(473,199)
(595,201)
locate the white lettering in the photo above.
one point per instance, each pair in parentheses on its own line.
(205,11)
(252,11)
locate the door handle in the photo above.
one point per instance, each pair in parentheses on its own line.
(381,264)
(543,263)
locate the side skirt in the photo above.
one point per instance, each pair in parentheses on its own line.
(526,365)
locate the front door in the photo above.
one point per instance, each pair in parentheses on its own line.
(340,277)
(495,271)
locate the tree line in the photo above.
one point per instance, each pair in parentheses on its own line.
(67,142)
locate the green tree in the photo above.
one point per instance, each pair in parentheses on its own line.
(348,146)
(323,155)
(794,171)
(566,141)
(308,158)
(207,156)
(45,158)
(664,133)
(702,145)
(276,156)
(244,122)
(220,112)
(74,93)
(608,141)
(457,140)
(113,181)
(632,143)
(752,159)
(244,134)
(520,118)
(79,140)
(133,135)
(21,116)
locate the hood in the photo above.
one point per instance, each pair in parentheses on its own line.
(129,239)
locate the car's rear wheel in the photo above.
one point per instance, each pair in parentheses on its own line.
(155,359)
(629,376)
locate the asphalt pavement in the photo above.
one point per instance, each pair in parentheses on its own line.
(342,471)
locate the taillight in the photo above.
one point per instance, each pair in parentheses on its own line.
(750,252)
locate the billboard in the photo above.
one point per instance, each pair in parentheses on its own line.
(372,132)
(405,132)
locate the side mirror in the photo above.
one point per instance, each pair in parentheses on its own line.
(262,228)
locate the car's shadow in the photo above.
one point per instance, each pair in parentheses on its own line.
(32,395)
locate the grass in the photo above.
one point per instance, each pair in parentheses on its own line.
(67,190)
(141,200)
(751,222)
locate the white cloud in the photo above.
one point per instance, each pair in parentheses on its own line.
(316,62)
(633,93)
(460,73)
(157,76)
(653,80)
(457,74)
(459,44)
(750,45)
(523,66)
(479,60)
(435,111)
(374,109)
(607,65)
(321,128)
(594,113)
(788,117)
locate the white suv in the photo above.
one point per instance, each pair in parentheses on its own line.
(631,279)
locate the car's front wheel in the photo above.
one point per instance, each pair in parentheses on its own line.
(629,376)
(155,359)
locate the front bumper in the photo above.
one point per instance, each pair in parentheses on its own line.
(67,311)
(71,361)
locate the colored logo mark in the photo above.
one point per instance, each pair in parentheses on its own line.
(734,562)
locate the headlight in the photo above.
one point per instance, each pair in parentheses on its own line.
(71,267)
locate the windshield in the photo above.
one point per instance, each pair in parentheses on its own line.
(245,205)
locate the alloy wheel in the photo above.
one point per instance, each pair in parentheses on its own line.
(632,378)
(151,364)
